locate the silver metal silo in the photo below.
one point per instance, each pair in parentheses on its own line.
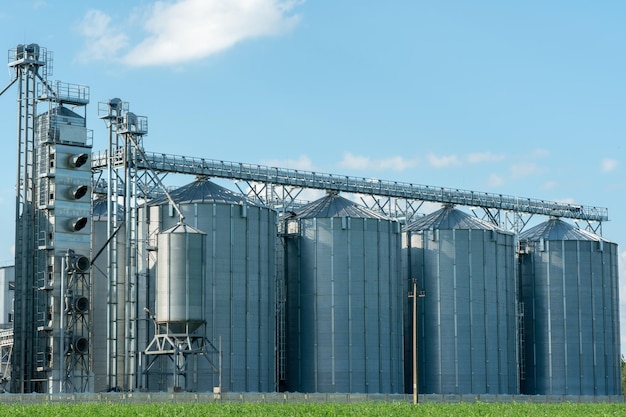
(344,300)
(467,319)
(108,304)
(569,290)
(180,278)
(239,287)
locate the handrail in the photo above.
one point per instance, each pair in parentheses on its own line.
(370,186)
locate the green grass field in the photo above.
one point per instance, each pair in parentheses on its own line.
(312,409)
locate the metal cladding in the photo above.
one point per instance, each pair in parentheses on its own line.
(569,290)
(467,318)
(103,294)
(239,294)
(180,278)
(61,125)
(344,300)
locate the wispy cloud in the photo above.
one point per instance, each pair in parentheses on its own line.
(443,161)
(479,157)
(495,180)
(525,169)
(395,163)
(608,164)
(186,30)
(401,163)
(102,39)
(303,162)
(540,153)
(549,185)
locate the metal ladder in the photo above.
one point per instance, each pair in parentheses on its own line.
(522,343)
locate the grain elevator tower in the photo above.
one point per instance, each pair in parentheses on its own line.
(52,242)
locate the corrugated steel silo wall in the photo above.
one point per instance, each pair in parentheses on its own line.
(100,298)
(571,323)
(240,291)
(179,282)
(467,340)
(344,307)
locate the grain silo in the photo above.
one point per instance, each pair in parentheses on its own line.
(109,301)
(344,300)
(180,279)
(569,290)
(467,318)
(239,290)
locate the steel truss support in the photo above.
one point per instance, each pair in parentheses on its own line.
(123,186)
(280,188)
(6,353)
(179,348)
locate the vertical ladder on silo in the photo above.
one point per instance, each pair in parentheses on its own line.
(280,316)
(522,347)
(43,284)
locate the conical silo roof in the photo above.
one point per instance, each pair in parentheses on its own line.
(333,205)
(99,210)
(449,218)
(182,228)
(557,229)
(204,191)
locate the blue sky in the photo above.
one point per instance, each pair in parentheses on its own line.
(518,98)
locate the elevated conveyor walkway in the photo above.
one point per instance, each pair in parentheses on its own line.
(343,183)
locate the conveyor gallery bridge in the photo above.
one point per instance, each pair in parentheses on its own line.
(280,188)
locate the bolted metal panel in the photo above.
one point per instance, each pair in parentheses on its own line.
(344,301)
(239,283)
(61,125)
(467,319)
(569,289)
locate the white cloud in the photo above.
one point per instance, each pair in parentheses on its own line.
(495,180)
(443,161)
(194,29)
(549,185)
(400,163)
(608,164)
(395,163)
(102,39)
(525,169)
(352,161)
(176,32)
(540,153)
(478,157)
(303,163)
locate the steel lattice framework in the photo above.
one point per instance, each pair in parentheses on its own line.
(280,188)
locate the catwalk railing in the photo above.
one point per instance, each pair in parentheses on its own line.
(368,186)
